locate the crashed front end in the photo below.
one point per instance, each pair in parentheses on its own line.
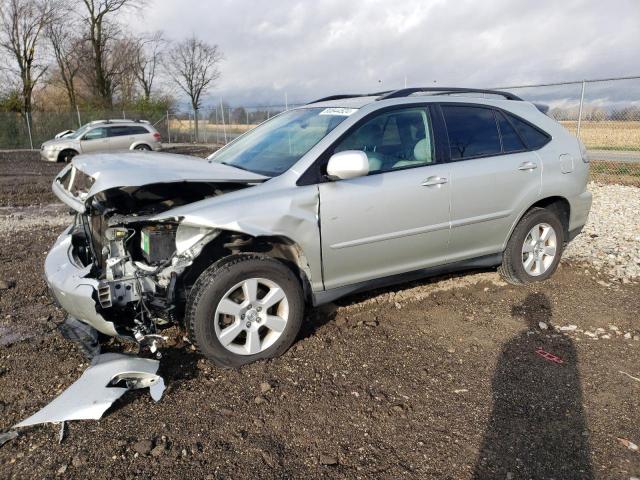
(116,268)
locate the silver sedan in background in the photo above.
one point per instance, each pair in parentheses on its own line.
(102,136)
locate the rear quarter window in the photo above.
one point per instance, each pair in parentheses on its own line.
(533,137)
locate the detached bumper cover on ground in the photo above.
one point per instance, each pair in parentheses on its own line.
(91,395)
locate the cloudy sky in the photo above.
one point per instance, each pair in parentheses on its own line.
(315,48)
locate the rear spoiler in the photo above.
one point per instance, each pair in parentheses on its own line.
(542,107)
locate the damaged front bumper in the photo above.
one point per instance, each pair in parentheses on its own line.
(71,285)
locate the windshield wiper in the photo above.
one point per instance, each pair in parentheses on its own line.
(239,167)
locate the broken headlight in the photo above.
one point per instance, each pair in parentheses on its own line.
(187,236)
(80,182)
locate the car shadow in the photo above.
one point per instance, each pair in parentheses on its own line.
(537,427)
(358,297)
(315,318)
(178,364)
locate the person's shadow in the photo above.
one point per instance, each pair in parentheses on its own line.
(537,428)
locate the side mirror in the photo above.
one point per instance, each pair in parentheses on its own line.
(348,164)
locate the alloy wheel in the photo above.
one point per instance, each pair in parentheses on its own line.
(251,316)
(539,249)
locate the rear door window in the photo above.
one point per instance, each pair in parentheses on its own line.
(511,141)
(533,137)
(119,131)
(135,130)
(472,131)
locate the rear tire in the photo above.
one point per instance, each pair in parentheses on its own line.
(244,308)
(143,148)
(534,249)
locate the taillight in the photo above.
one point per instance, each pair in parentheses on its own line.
(156,136)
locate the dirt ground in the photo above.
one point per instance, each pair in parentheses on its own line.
(437,379)
(26,181)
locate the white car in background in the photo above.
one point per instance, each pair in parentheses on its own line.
(101,136)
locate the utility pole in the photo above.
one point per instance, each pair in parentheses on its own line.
(168,129)
(580,110)
(224,127)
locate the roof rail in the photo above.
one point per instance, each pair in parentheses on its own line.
(405,92)
(119,120)
(354,95)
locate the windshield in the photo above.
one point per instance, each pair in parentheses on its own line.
(273,147)
(78,133)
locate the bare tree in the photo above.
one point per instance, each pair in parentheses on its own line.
(22,24)
(100,35)
(193,65)
(68,52)
(149,56)
(125,67)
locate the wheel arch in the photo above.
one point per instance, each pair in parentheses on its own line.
(59,159)
(229,243)
(555,203)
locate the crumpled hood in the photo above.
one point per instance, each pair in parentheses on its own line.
(61,142)
(136,169)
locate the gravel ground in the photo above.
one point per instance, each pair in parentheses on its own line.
(446,378)
(611,237)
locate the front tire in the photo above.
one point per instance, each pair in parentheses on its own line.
(533,252)
(67,155)
(243,309)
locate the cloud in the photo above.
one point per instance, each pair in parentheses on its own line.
(311,49)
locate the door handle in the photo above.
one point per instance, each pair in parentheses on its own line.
(528,166)
(434,181)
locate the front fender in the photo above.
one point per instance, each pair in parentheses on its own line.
(291,212)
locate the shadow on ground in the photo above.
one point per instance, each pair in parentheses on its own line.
(537,427)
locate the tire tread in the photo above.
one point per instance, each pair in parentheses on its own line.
(199,289)
(513,253)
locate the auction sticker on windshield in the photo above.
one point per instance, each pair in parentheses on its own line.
(344,112)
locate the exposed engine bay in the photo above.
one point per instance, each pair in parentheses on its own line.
(138,262)
(146,228)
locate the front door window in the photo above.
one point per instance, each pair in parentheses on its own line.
(393,140)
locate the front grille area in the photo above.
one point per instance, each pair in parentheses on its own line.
(104,296)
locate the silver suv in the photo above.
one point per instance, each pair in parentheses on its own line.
(345,194)
(102,136)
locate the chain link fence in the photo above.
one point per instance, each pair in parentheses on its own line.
(604,114)
(217,125)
